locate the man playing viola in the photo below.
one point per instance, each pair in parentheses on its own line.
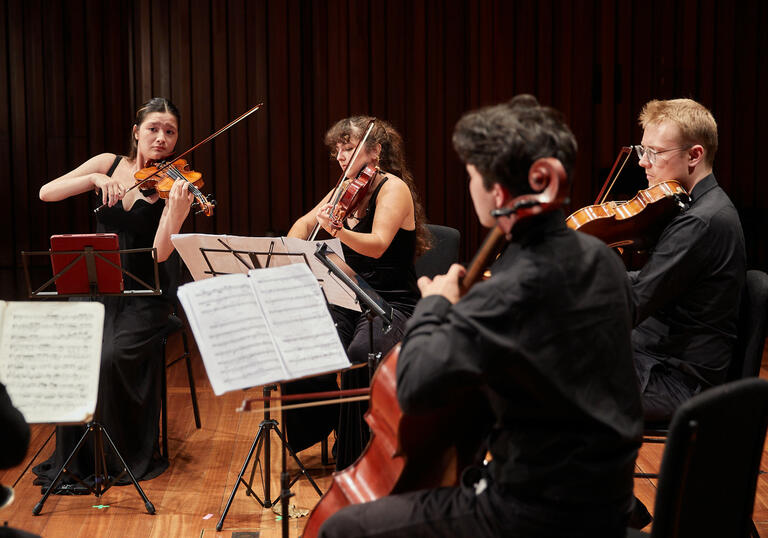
(686,297)
(546,340)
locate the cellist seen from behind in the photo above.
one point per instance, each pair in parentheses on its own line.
(547,340)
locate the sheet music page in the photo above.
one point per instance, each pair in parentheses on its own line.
(50,354)
(301,324)
(231,333)
(336,292)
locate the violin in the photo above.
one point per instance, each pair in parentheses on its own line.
(160,177)
(635,224)
(410,452)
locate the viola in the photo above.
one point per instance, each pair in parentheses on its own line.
(161,176)
(634,224)
(354,192)
(409,452)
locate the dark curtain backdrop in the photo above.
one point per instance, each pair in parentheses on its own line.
(72,73)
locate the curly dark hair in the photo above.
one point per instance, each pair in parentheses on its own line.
(156,104)
(503,141)
(391,159)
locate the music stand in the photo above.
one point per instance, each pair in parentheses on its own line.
(268,424)
(102,480)
(373,304)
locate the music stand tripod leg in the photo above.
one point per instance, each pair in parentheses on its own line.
(302,469)
(148,505)
(101,477)
(256,441)
(39,506)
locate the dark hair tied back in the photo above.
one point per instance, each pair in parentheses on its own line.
(156,104)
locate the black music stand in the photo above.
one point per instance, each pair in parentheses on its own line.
(372,303)
(268,424)
(102,481)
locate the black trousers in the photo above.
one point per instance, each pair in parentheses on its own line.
(305,427)
(467,511)
(664,392)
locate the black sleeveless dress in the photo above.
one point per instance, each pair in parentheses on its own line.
(128,404)
(393,276)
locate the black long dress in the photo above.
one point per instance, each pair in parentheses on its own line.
(393,276)
(128,404)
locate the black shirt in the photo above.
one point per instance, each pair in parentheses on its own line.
(547,338)
(393,274)
(686,297)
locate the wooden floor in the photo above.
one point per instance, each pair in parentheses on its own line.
(190,496)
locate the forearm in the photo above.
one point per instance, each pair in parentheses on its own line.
(65,187)
(301,228)
(367,244)
(168,226)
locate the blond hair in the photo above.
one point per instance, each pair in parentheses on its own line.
(695,122)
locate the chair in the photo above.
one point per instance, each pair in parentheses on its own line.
(723,428)
(175,325)
(752,327)
(750,341)
(444,251)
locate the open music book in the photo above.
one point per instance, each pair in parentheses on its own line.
(266,326)
(50,354)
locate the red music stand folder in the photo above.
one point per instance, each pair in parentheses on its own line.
(84,273)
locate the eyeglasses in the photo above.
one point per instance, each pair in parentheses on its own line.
(642,151)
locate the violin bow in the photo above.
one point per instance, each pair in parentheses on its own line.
(335,195)
(601,197)
(190,150)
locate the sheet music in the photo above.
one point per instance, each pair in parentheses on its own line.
(50,355)
(231,333)
(336,292)
(298,316)
(189,245)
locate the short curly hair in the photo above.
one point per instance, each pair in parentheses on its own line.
(503,141)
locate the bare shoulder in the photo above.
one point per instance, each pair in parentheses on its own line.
(395,186)
(100,163)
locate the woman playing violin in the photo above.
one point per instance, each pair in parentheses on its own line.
(128,400)
(380,237)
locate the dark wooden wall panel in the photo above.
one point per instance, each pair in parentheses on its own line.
(7,246)
(72,74)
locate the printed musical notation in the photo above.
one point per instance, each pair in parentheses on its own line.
(50,357)
(270,325)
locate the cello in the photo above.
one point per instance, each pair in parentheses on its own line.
(409,452)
